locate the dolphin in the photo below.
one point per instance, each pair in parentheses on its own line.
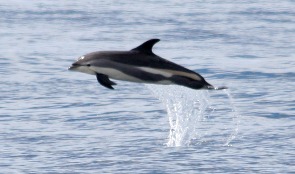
(139,65)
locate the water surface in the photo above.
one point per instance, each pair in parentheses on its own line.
(56,121)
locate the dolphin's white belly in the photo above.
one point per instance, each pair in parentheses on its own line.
(116,74)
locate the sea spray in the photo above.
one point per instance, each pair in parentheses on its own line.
(198,116)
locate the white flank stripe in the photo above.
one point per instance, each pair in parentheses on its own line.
(169,73)
(156,71)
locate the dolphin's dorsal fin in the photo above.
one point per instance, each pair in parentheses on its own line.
(147,46)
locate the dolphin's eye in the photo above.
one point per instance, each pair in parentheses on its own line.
(88,65)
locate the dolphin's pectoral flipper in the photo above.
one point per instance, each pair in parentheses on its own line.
(105,81)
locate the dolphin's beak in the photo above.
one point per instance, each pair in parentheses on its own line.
(81,68)
(73,67)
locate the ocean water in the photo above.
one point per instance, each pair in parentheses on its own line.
(56,121)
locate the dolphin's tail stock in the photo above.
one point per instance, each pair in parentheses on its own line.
(195,84)
(211,87)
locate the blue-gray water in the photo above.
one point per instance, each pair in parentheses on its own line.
(56,121)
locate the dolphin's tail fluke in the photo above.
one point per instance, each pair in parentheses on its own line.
(216,88)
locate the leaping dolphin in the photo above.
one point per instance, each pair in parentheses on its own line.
(139,65)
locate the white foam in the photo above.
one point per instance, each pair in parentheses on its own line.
(197,118)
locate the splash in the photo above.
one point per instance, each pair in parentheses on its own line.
(195,119)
